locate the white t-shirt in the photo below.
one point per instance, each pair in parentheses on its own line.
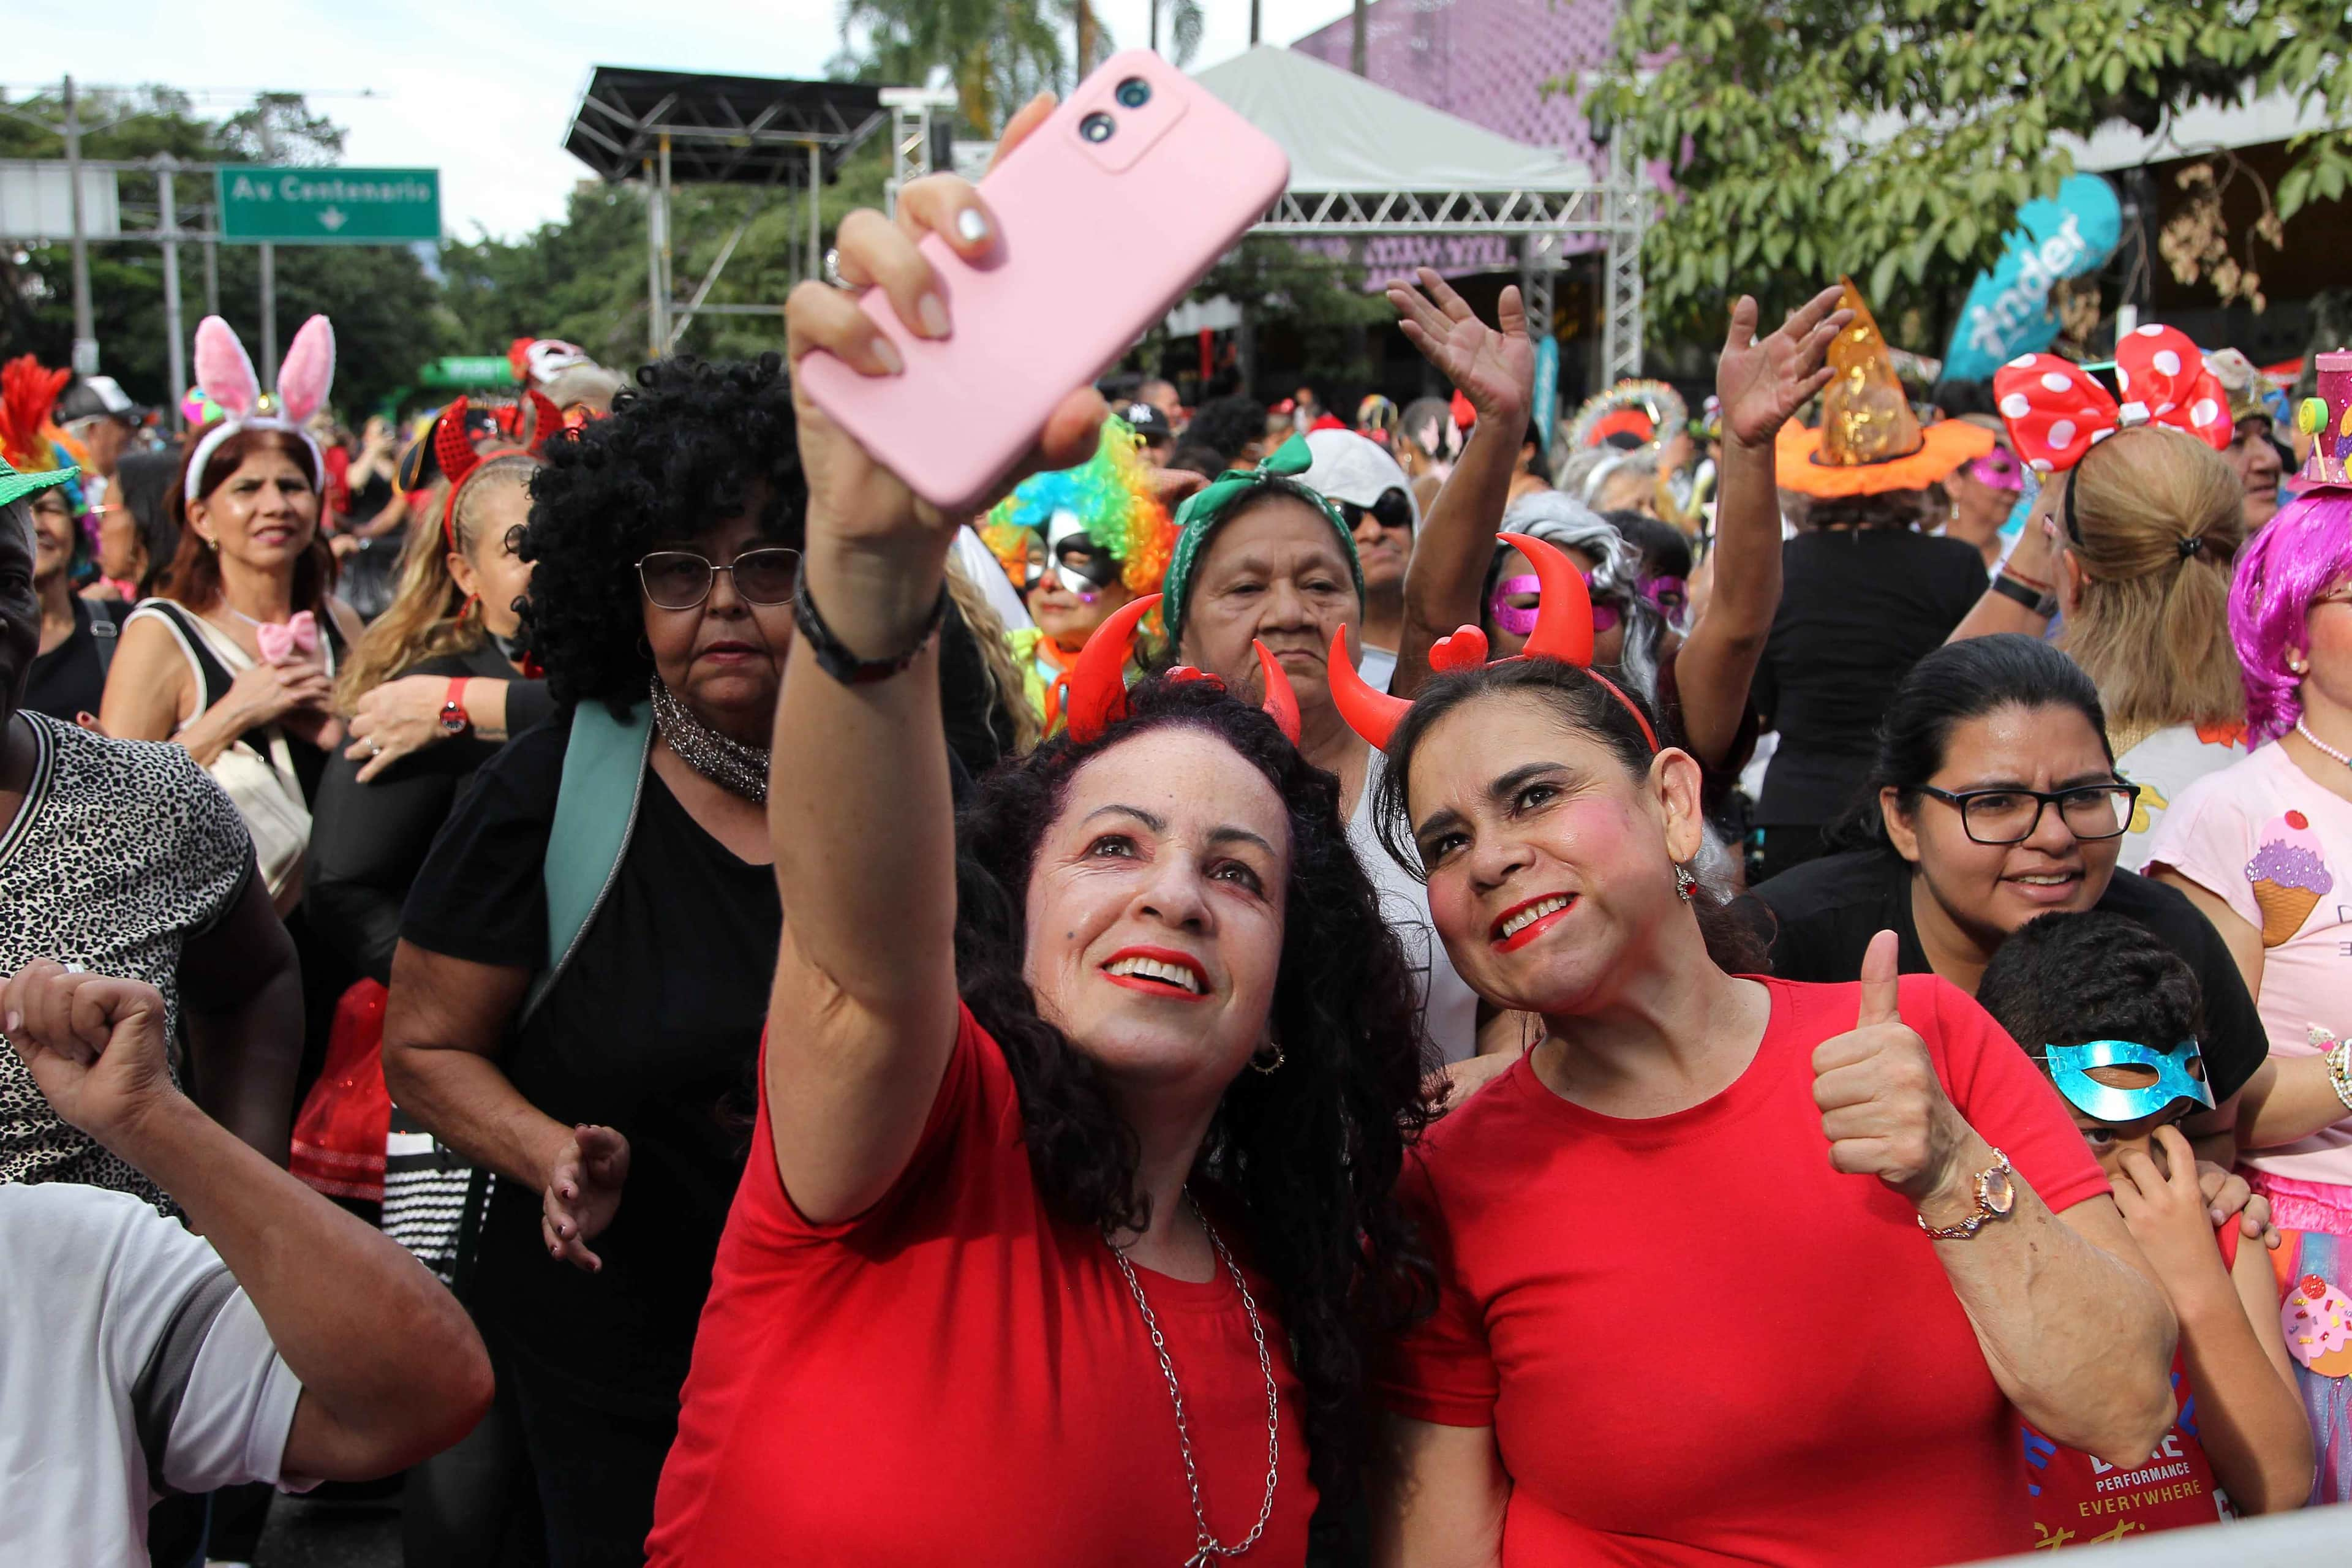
(119,1330)
(1377,667)
(2164,765)
(1449,1008)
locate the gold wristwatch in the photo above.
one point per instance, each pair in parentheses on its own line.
(1996,1196)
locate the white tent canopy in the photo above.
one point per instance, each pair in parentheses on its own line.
(1345,135)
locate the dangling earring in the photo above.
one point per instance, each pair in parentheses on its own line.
(1263,1064)
(1686,884)
(467,607)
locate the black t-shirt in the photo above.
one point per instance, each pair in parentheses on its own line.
(1858,608)
(653,1029)
(70,677)
(367,840)
(1818,919)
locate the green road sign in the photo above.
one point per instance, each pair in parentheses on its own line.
(328,207)
(463,371)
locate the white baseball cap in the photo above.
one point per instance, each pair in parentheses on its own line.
(1356,470)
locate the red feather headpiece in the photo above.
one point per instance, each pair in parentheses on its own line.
(1563,631)
(29,394)
(1097,682)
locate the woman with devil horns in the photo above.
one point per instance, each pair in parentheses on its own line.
(1079,1118)
(1841,1147)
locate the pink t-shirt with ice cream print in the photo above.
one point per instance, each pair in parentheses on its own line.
(2278,849)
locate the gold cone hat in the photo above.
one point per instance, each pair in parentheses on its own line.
(1869,442)
(1865,414)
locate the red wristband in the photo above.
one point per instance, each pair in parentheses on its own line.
(455,719)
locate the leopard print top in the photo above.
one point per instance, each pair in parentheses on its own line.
(121,851)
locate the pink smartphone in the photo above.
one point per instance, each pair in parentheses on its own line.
(1104,216)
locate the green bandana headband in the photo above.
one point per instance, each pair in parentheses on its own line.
(1198,518)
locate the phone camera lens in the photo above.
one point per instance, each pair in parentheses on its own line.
(1134,92)
(1098,128)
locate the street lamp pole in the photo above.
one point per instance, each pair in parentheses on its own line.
(85,343)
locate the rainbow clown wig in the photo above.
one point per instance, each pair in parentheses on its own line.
(2300,554)
(29,394)
(1109,498)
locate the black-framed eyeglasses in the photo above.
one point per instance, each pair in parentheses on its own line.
(2090,812)
(1393,509)
(679,579)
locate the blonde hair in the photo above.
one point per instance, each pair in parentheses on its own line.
(2152,625)
(988,630)
(429,615)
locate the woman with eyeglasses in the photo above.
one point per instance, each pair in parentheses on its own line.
(1357,475)
(580,977)
(2134,543)
(1993,799)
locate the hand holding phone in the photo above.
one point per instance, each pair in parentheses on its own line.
(1114,205)
(854,495)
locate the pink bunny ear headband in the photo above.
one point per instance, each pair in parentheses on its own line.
(225,373)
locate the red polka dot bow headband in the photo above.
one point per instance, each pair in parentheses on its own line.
(2055,412)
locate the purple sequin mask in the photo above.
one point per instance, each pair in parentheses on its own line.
(1520,621)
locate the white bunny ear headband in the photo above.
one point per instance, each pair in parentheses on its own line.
(225,372)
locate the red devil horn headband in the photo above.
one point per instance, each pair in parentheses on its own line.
(1563,631)
(1097,682)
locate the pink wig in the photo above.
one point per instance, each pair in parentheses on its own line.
(2304,551)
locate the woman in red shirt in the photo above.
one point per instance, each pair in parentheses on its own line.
(1678,1321)
(1069,1212)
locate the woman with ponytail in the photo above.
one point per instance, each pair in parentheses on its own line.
(2134,549)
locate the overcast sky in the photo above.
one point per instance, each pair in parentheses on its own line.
(484,92)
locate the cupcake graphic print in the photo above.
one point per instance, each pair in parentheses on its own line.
(2288,877)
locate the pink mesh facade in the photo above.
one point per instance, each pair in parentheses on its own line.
(1485,61)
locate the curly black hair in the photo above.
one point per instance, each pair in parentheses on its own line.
(1306,1155)
(2064,979)
(1226,425)
(680,451)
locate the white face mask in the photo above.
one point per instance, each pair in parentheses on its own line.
(1093,569)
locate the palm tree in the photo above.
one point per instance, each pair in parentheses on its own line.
(1185,21)
(999,53)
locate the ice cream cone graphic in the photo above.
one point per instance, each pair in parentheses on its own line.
(2287,876)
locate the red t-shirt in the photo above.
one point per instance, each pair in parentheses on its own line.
(1697,1342)
(2082,1500)
(957,1376)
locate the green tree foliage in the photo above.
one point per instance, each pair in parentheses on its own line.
(998,54)
(1326,319)
(1896,140)
(384,305)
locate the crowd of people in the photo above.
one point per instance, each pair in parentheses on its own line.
(590,953)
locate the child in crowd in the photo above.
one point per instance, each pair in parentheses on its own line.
(2112,1016)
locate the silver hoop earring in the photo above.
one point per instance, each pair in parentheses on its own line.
(1685,883)
(1261,1064)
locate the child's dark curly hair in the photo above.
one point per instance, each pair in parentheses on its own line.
(2064,979)
(1306,1157)
(681,451)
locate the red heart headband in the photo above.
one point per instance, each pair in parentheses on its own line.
(1563,631)
(526,425)
(2055,412)
(1097,681)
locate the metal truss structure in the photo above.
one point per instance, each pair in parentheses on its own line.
(1541,222)
(669,128)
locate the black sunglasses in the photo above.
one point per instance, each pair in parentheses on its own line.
(1393,509)
(2090,812)
(679,579)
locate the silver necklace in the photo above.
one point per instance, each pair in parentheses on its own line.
(1207,1548)
(2323,745)
(723,760)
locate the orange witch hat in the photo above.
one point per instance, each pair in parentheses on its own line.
(1869,441)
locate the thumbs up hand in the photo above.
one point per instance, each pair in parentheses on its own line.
(1883,1111)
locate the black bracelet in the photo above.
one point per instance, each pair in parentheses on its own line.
(836,659)
(2009,587)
